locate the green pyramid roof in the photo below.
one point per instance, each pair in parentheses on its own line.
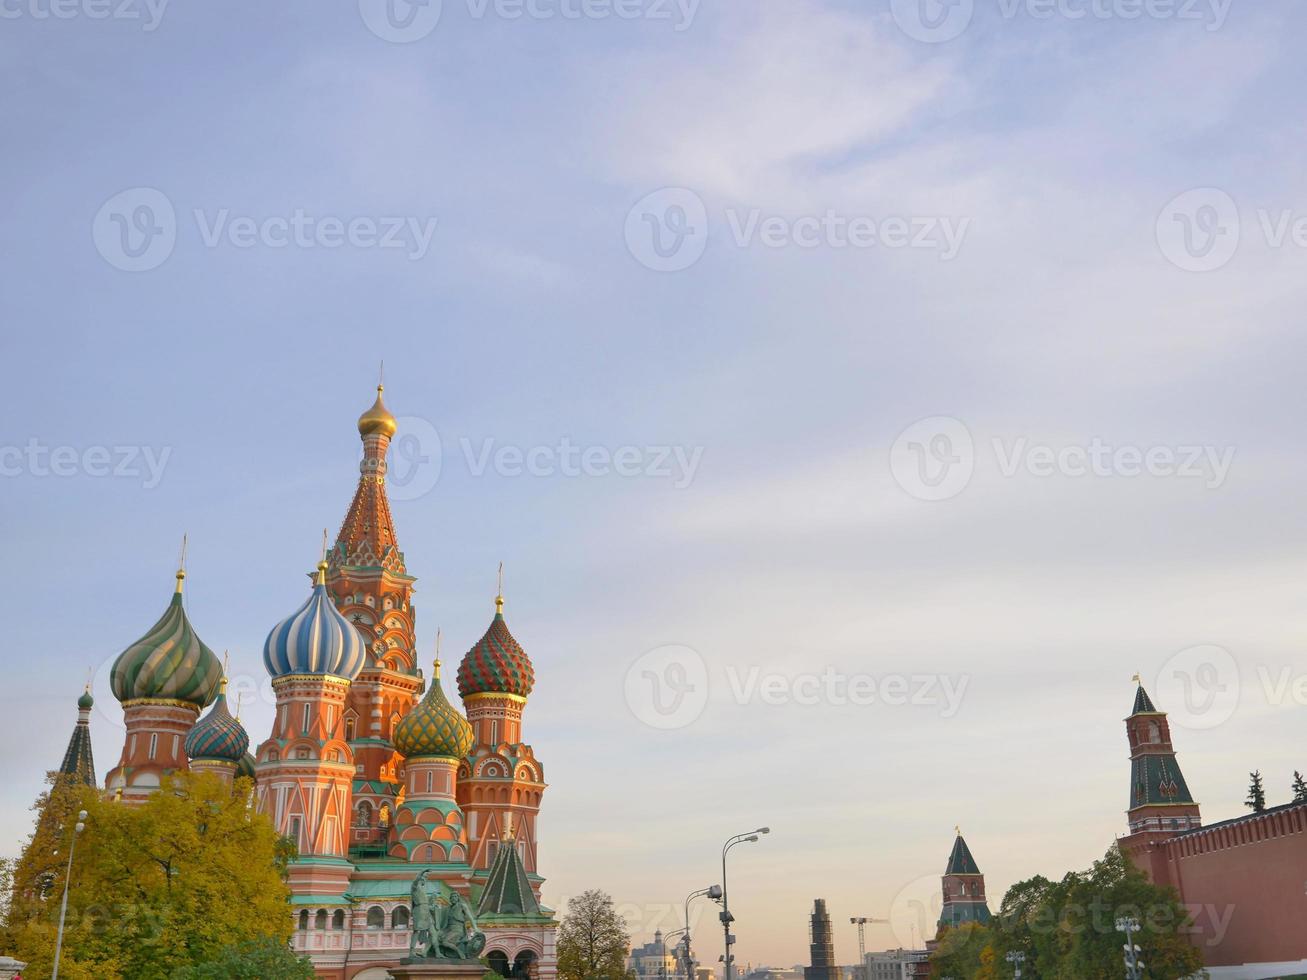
(1143,703)
(960,862)
(508,891)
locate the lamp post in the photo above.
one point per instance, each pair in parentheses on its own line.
(1016,958)
(63,907)
(749,838)
(1134,966)
(715,893)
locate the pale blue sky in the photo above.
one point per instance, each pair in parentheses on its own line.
(529,320)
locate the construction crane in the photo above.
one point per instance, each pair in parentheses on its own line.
(862,922)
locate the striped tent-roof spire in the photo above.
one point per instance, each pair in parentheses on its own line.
(78,760)
(508,889)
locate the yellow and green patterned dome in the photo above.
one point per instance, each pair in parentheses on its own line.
(434,727)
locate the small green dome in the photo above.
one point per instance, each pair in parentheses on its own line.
(433,727)
(86,702)
(169,662)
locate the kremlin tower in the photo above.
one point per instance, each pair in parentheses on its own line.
(1161,805)
(964,889)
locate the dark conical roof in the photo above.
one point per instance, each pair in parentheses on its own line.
(78,761)
(508,890)
(960,862)
(1143,703)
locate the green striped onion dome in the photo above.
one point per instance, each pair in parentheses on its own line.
(433,727)
(497,664)
(246,767)
(218,735)
(168,663)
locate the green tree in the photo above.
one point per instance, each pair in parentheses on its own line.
(1256,793)
(260,959)
(961,951)
(1299,788)
(156,888)
(592,939)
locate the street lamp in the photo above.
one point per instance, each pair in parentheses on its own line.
(748,838)
(1134,966)
(715,893)
(63,908)
(1016,958)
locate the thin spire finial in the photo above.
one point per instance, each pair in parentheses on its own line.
(438,634)
(240,698)
(957,828)
(322,564)
(181,565)
(381,376)
(499,598)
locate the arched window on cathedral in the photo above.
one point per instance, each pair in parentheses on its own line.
(304,919)
(376,917)
(365,814)
(338,919)
(399,918)
(320,920)
(349,729)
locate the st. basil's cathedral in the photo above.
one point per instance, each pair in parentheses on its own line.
(374,779)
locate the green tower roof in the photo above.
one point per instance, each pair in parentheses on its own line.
(508,891)
(960,862)
(1143,703)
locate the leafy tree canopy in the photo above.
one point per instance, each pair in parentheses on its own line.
(592,939)
(182,880)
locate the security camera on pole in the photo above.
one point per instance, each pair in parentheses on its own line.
(1134,966)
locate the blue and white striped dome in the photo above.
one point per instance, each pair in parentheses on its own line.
(315,639)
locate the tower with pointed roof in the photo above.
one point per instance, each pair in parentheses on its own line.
(501,782)
(78,761)
(964,889)
(163,681)
(370,584)
(1161,805)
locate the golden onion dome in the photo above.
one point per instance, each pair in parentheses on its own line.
(377,418)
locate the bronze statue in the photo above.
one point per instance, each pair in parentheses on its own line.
(443,925)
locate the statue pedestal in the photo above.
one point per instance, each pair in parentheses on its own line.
(438,970)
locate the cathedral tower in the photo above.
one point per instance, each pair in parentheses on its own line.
(500,783)
(433,738)
(964,889)
(371,586)
(306,769)
(163,680)
(1161,805)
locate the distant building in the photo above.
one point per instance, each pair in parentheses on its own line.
(821,946)
(655,960)
(897,964)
